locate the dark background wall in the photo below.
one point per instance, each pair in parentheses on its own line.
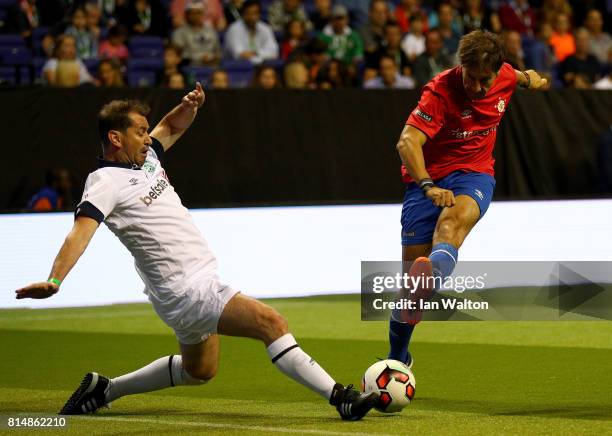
(250,147)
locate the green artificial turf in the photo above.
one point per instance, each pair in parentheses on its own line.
(489,377)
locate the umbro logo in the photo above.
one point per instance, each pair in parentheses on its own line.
(133,181)
(466,114)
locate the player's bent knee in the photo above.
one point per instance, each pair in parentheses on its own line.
(199,374)
(272,325)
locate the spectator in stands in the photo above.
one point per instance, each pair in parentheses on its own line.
(551,8)
(231,10)
(249,38)
(343,43)
(109,74)
(333,74)
(56,195)
(562,40)
(94,19)
(265,77)
(600,40)
(64,56)
(108,11)
(358,10)
(172,62)
(219,79)
(391,48)
(22,18)
(321,15)
(413,43)
(175,81)
(519,16)
(581,63)
(477,16)
(539,54)
(294,40)
(372,33)
(198,41)
(450,36)
(296,75)
(433,19)
(389,77)
(214,14)
(86,41)
(67,75)
(283,11)
(512,49)
(114,46)
(315,54)
(147,18)
(408,9)
(433,61)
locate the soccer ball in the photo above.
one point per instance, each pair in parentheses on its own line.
(393,381)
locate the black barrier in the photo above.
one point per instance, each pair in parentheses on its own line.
(253,147)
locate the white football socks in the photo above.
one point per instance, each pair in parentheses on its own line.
(294,363)
(168,371)
(163,373)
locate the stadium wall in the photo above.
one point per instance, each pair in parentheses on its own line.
(297,251)
(253,147)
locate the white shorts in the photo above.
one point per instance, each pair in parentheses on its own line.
(194,313)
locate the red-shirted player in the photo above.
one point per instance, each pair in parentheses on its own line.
(447,151)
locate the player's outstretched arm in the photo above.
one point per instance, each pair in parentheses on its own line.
(530,79)
(75,244)
(178,120)
(410,148)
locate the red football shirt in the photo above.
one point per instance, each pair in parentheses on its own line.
(460,132)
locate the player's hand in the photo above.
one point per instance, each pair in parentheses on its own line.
(37,290)
(536,82)
(195,98)
(441,197)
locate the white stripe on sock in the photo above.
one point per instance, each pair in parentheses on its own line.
(299,366)
(444,251)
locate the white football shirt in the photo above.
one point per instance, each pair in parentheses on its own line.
(140,206)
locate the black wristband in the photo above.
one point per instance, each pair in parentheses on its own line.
(426,184)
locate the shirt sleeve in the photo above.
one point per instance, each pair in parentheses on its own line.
(158,148)
(428,116)
(233,43)
(99,197)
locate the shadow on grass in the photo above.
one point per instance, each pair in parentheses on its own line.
(599,412)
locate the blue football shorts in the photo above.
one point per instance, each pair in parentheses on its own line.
(420,215)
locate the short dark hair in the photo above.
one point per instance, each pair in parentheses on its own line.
(391,24)
(481,50)
(175,48)
(248,3)
(386,56)
(416,17)
(116,116)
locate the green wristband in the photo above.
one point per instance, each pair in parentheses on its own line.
(54,280)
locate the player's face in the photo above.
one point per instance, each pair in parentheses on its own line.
(251,16)
(477,83)
(136,140)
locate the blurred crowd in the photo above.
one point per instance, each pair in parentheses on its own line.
(301,44)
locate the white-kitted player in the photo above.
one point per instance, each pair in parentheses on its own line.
(132,195)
